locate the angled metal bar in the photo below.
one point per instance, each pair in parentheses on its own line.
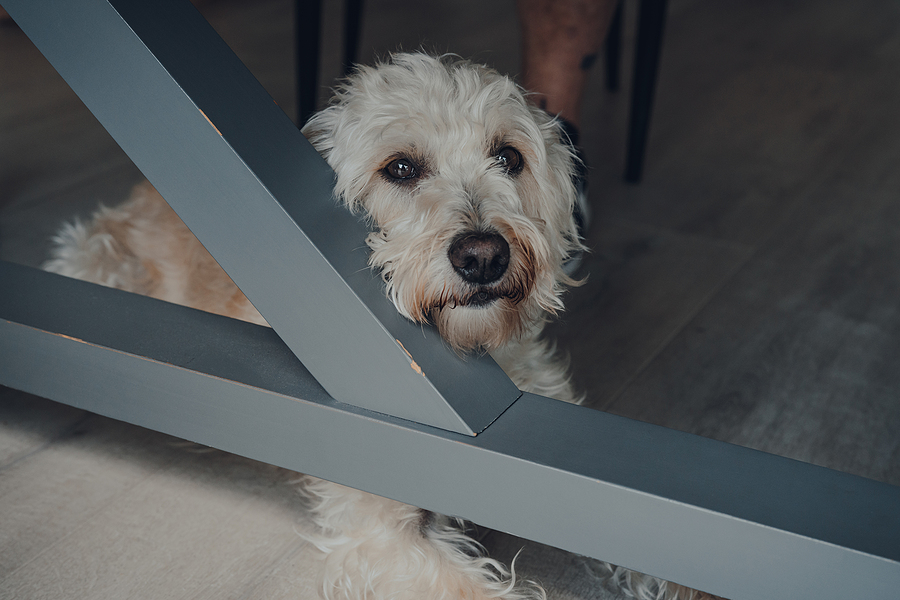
(259,197)
(735,522)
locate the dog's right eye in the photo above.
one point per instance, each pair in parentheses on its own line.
(401,168)
(510,159)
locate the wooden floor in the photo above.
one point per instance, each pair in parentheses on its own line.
(747,290)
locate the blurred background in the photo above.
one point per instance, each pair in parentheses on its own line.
(747,289)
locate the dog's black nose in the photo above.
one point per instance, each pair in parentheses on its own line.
(480,257)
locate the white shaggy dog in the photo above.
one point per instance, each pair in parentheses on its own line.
(469,193)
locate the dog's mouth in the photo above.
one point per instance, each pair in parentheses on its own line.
(481,298)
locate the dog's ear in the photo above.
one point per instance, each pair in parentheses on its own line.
(319,130)
(327,132)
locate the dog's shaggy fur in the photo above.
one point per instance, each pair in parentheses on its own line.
(469,193)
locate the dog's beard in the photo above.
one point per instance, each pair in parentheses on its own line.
(425,287)
(413,257)
(468,316)
(480,327)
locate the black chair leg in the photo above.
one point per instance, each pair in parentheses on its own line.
(651,21)
(307,23)
(352,25)
(614,50)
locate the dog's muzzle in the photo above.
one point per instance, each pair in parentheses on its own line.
(479,258)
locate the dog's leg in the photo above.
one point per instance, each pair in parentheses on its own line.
(97,253)
(645,587)
(142,246)
(378,548)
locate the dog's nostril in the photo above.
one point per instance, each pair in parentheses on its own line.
(480,257)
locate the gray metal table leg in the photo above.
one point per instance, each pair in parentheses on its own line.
(260,199)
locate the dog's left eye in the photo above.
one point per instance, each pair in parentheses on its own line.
(402,168)
(510,159)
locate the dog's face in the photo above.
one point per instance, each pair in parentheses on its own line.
(468,188)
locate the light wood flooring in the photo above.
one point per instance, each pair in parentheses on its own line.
(747,290)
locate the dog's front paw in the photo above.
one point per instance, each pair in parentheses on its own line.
(378,565)
(374,548)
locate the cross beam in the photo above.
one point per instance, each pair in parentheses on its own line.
(726,519)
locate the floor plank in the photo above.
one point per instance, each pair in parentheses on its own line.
(796,355)
(115,511)
(51,493)
(643,284)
